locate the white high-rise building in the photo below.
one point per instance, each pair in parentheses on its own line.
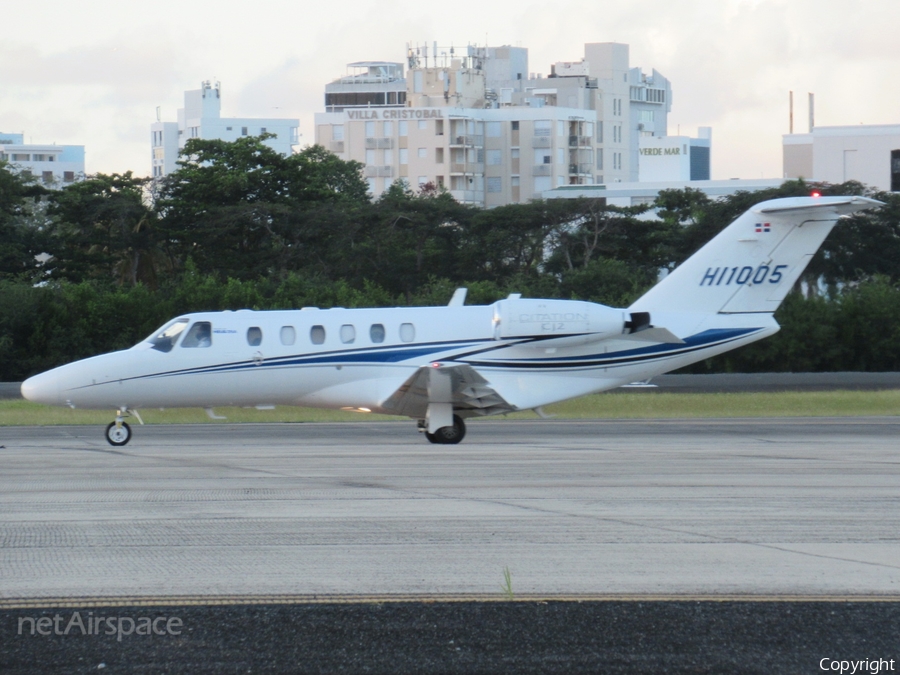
(477,122)
(201,118)
(54,165)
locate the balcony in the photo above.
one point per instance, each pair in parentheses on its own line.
(466,167)
(336,146)
(379,143)
(468,197)
(541,142)
(379,171)
(581,168)
(542,170)
(467,140)
(580,142)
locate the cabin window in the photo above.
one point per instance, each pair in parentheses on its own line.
(317,335)
(348,334)
(254,336)
(200,335)
(288,335)
(407,332)
(376,333)
(166,338)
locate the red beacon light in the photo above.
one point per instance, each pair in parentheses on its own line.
(815,193)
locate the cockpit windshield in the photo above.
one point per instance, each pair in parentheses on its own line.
(166,337)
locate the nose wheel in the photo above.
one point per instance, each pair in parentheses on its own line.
(118,433)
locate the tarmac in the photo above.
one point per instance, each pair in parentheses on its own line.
(630,546)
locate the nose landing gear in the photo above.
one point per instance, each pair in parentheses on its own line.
(118,433)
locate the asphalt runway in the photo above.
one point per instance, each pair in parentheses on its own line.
(572,508)
(740,546)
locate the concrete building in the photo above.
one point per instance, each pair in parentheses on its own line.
(869,154)
(477,122)
(201,118)
(54,165)
(675,158)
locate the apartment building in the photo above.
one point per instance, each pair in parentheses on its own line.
(201,117)
(477,122)
(54,165)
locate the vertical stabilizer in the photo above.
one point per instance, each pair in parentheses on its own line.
(752,264)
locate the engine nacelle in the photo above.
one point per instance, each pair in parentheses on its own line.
(568,322)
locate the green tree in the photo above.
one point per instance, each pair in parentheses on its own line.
(21,239)
(104,230)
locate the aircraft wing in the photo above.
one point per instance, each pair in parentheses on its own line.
(458,384)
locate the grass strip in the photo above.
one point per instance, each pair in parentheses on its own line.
(643,405)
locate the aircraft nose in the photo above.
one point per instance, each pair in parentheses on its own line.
(42,388)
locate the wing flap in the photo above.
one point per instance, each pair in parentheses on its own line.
(470,393)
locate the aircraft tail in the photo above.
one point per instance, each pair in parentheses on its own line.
(751,265)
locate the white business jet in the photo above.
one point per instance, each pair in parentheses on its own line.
(441,365)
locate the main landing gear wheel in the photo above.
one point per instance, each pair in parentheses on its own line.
(118,433)
(449,435)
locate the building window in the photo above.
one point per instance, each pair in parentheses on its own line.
(371,184)
(423,153)
(439,127)
(492,129)
(404,156)
(514,181)
(262,130)
(370,157)
(288,335)
(514,126)
(494,184)
(377,333)
(438,155)
(317,335)
(542,127)
(227,128)
(403,128)
(47,176)
(69,176)
(600,159)
(423,124)
(370,129)
(407,332)
(337,132)
(423,180)
(243,131)
(387,128)
(514,153)
(494,157)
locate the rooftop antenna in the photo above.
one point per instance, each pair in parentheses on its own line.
(812,112)
(791,114)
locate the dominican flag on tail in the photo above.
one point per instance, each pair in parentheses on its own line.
(763,227)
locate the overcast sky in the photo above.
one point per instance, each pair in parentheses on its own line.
(93,72)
